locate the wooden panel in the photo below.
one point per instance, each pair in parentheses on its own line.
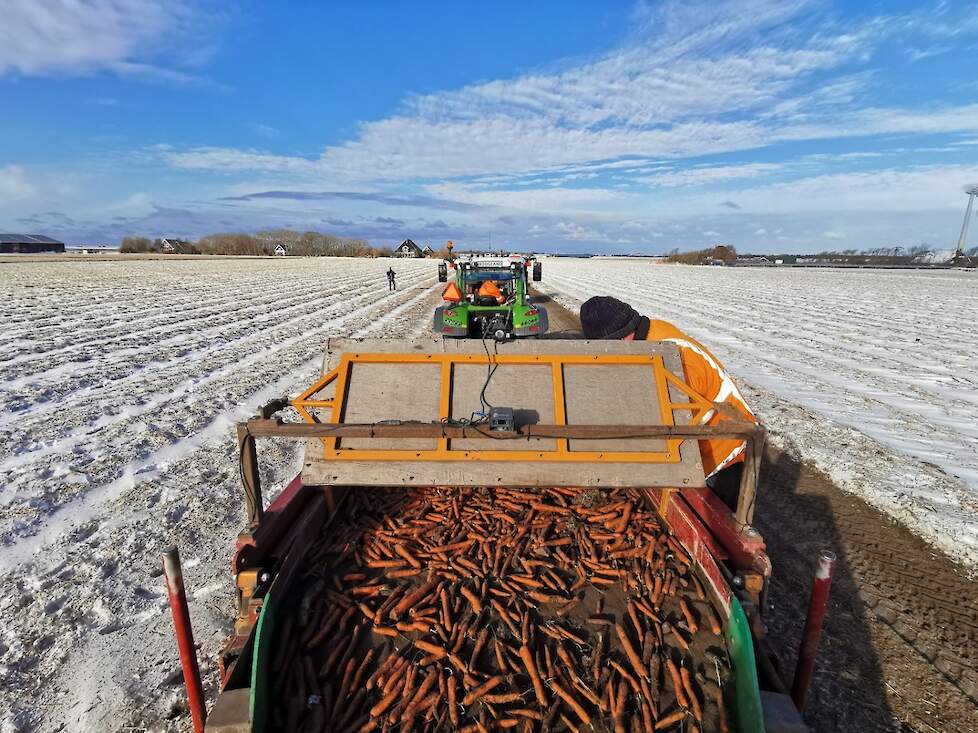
(612,395)
(316,471)
(527,389)
(378,392)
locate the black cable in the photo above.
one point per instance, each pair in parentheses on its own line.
(491,365)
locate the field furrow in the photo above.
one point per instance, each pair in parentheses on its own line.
(884,354)
(116,426)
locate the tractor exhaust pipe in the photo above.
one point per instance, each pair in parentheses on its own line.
(813,629)
(173,573)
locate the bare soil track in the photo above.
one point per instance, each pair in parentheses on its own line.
(901,640)
(900,647)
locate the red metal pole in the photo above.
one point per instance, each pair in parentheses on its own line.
(185,637)
(813,629)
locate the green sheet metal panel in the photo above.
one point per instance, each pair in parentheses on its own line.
(260,665)
(744,699)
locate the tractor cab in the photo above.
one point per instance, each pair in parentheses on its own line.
(488,297)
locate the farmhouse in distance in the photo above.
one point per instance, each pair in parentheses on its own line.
(408,248)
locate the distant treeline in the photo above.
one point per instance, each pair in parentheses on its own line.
(721,252)
(264,243)
(916,252)
(880,256)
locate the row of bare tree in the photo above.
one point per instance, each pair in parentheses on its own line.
(264,243)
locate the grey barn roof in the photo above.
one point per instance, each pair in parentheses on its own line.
(27,239)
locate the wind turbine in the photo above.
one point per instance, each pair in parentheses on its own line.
(971,191)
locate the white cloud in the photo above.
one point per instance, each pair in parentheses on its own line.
(86,36)
(695,79)
(14,185)
(230,159)
(832,234)
(709,174)
(263,129)
(541,199)
(921,188)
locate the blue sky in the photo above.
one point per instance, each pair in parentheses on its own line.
(784,126)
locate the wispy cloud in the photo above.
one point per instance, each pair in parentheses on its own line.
(264,130)
(232,160)
(14,185)
(694,79)
(412,200)
(709,175)
(131,38)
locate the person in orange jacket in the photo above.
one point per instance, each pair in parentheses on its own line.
(491,291)
(605,317)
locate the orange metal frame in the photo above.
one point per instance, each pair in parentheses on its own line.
(339,377)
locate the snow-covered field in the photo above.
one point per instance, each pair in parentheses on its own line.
(120,381)
(119,384)
(868,373)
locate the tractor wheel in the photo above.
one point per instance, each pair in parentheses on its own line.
(442,274)
(537,272)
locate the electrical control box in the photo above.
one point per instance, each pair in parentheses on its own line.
(502,420)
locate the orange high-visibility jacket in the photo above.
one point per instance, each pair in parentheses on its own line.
(706,375)
(489,289)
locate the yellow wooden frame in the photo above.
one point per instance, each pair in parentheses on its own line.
(697,405)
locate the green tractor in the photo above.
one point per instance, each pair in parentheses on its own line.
(488,297)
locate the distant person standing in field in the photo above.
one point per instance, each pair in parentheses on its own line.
(723,460)
(391,284)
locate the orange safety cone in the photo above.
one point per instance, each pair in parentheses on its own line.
(489,289)
(451,293)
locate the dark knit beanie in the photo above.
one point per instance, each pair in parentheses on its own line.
(603,317)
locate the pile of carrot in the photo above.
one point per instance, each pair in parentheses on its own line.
(499,609)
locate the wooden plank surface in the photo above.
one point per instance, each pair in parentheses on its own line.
(603,395)
(390,392)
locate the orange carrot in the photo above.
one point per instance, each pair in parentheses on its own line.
(574,705)
(386,563)
(630,652)
(502,699)
(531,670)
(432,649)
(677,685)
(482,689)
(388,700)
(526,713)
(688,614)
(412,599)
(670,720)
(472,599)
(691,693)
(452,701)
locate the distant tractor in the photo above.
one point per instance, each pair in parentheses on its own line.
(488,297)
